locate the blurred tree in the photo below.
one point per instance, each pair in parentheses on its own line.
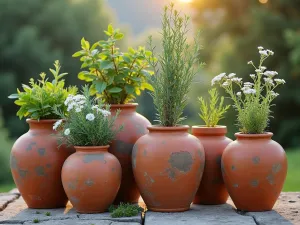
(34,33)
(232,30)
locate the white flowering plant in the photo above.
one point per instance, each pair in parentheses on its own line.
(88,122)
(254,99)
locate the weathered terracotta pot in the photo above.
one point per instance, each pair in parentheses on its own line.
(135,126)
(168,164)
(36,164)
(254,169)
(91,178)
(212,190)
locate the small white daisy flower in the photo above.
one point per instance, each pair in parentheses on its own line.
(279,81)
(239,93)
(250,62)
(253,76)
(231,75)
(264,52)
(217,78)
(260,48)
(67,132)
(90,116)
(274,94)
(57,124)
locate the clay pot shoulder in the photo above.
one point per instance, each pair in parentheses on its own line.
(254,170)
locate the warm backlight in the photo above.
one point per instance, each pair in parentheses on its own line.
(263,1)
(186,1)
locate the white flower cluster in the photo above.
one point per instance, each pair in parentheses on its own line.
(90,116)
(274,94)
(76,102)
(265,52)
(217,78)
(104,112)
(279,81)
(270,73)
(57,124)
(269,81)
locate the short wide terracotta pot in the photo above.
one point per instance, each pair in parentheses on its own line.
(254,170)
(36,163)
(168,164)
(91,178)
(212,190)
(135,126)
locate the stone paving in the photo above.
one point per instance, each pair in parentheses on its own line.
(13,210)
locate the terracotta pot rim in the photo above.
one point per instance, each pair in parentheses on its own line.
(41,121)
(253,136)
(124,106)
(209,131)
(161,128)
(91,148)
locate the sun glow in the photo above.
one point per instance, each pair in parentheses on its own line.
(186,1)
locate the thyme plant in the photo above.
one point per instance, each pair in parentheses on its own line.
(174,68)
(88,123)
(254,99)
(40,97)
(117,77)
(212,112)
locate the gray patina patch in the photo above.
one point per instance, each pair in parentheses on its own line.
(74,200)
(39,170)
(30,146)
(13,162)
(276,168)
(182,161)
(123,147)
(200,153)
(218,160)
(270,179)
(89,182)
(145,152)
(22,173)
(134,153)
(41,151)
(149,178)
(141,130)
(235,185)
(256,160)
(233,167)
(93,157)
(254,183)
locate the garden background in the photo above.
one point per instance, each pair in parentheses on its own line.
(34,33)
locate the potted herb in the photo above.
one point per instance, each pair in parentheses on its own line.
(36,161)
(87,174)
(212,190)
(169,156)
(117,78)
(254,166)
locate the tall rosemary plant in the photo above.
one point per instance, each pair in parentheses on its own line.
(174,68)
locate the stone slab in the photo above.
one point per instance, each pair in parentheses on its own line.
(80,222)
(200,215)
(6,198)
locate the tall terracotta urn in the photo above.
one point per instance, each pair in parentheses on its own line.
(212,190)
(36,163)
(135,126)
(168,164)
(91,178)
(254,169)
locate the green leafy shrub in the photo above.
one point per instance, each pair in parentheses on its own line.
(88,122)
(38,100)
(253,100)
(116,77)
(175,68)
(125,210)
(212,112)
(36,220)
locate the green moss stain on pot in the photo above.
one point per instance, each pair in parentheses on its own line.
(256,160)
(41,151)
(123,147)
(39,170)
(181,161)
(94,157)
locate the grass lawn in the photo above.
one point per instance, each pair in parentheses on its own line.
(292,182)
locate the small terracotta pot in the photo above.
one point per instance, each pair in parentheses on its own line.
(91,178)
(212,190)
(135,126)
(254,169)
(168,164)
(36,163)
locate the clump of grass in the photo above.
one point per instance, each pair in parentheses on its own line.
(125,210)
(48,213)
(36,220)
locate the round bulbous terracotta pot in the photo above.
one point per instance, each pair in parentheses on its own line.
(254,169)
(134,126)
(36,163)
(91,178)
(212,190)
(168,164)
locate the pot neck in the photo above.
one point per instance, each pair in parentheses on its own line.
(91,149)
(159,129)
(46,125)
(266,136)
(125,108)
(209,131)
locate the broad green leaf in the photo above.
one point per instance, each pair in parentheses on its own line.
(100,86)
(79,53)
(147,86)
(115,90)
(137,79)
(110,29)
(95,45)
(126,59)
(119,36)
(105,64)
(129,89)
